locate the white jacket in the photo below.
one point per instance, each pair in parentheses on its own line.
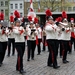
(10,33)
(33,36)
(39,30)
(65,35)
(3,37)
(51,31)
(19,37)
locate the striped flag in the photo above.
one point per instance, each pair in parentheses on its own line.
(31,5)
(39,6)
(31,11)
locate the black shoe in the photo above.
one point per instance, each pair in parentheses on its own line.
(69,52)
(56,67)
(65,61)
(22,71)
(28,60)
(43,50)
(0,64)
(38,54)
(12,54)
(51,65)
(60,56)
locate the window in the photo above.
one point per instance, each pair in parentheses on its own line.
(6,3)
(2,10)
(11,6)
(20,5)
(21,14)
(74,8)
(16,6)
(11,14)
(2,4)
(69,9)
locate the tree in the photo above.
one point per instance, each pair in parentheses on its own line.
(54,5)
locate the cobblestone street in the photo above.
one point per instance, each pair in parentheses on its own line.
(38,66)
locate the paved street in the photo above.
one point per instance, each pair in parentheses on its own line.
(39,65)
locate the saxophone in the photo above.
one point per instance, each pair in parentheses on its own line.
(33,32)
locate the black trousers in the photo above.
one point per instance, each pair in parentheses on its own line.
(57,46)
(3,47)
(11,41)
(65,49)
(52,58)
(69,46)
(73,42)
(20,47)
(38,46)
(31,48)
(44,39)
(61,47)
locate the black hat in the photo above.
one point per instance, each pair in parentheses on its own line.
(17,21)
(49,18)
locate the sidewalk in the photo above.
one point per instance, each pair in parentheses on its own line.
(38,66)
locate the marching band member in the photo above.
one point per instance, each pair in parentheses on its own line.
(50,29)
(39,30)
(72,34)
(19,45)
(11,38)
(59,19)
(44,39)
(39,38)
(65,36)
(3,39)
(31,41)
(71,39)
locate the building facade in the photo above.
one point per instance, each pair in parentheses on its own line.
(9,6)
(56,6)
(68,5)
(16,5)
(4,7)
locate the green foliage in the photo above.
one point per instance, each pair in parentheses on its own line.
(54,5)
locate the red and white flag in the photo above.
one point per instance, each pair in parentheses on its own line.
(31,5)
(31,11)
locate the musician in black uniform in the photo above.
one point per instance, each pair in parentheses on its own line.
(11,40)
(3,42)
(19,45)
(31,41)
(39,30)
(51,29)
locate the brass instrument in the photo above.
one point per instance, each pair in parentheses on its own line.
(43,32)
(32,32)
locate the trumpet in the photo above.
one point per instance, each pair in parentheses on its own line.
(33,33)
